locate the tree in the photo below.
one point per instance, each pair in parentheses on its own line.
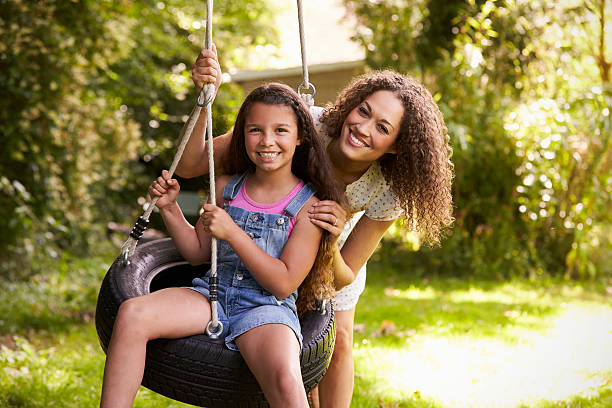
(92,90)
(530,137)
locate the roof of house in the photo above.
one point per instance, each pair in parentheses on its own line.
(262,74)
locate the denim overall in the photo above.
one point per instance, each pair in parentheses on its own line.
(243,303)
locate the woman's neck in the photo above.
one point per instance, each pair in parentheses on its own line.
(268,188)
(346,170)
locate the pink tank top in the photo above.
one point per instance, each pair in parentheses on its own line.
(245,202)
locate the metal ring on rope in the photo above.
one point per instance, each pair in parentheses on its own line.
(207,92)
(307,86)
(308,98)
(125,259)
(214,331)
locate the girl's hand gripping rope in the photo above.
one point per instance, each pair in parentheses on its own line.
(217,222)
(166,188)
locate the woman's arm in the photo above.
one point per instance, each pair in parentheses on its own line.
(358,248)
(194,161)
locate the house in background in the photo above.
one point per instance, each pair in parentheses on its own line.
(333,58)
(328,79)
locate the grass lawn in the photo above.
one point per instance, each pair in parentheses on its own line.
(453,343)
(442,343)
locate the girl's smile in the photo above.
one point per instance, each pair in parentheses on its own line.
(271,136)
(270,155)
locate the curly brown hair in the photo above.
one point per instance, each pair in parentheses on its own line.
(420,174)
(310,163)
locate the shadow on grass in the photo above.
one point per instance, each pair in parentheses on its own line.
(451,306)
(480,343)
(365,396)
(602,398)
(54,302)
(446,317)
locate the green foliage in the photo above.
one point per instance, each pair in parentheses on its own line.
(63,295)
(523,90)
(94,94)
(165,38)
(49,351)
(389,31)
(60,135)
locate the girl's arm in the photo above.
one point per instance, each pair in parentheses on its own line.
(280,276)
(283,276)
(192,242)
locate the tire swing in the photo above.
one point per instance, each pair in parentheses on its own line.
(200,369)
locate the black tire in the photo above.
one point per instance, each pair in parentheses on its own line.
(199,370)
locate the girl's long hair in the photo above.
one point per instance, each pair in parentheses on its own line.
(310,163)
(421,173)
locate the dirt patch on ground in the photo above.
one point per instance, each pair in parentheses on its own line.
(8,341)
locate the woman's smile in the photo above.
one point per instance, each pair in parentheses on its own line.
(370,129)
(355,140)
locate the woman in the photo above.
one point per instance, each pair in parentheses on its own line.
(388,145)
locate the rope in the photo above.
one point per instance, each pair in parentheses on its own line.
(308,98)
(129,246)
(214,327)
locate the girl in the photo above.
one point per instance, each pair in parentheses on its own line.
(389,148)
(267,246)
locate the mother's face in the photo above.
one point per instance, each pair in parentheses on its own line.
(371,128)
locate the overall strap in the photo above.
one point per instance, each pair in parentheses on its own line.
(233,186)
(295,205)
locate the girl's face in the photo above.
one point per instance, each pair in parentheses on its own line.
(271,136)
(371,128)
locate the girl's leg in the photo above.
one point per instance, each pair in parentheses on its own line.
(168,313)
(272,352)
(336,387)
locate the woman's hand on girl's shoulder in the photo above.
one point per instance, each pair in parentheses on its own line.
(328,215)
